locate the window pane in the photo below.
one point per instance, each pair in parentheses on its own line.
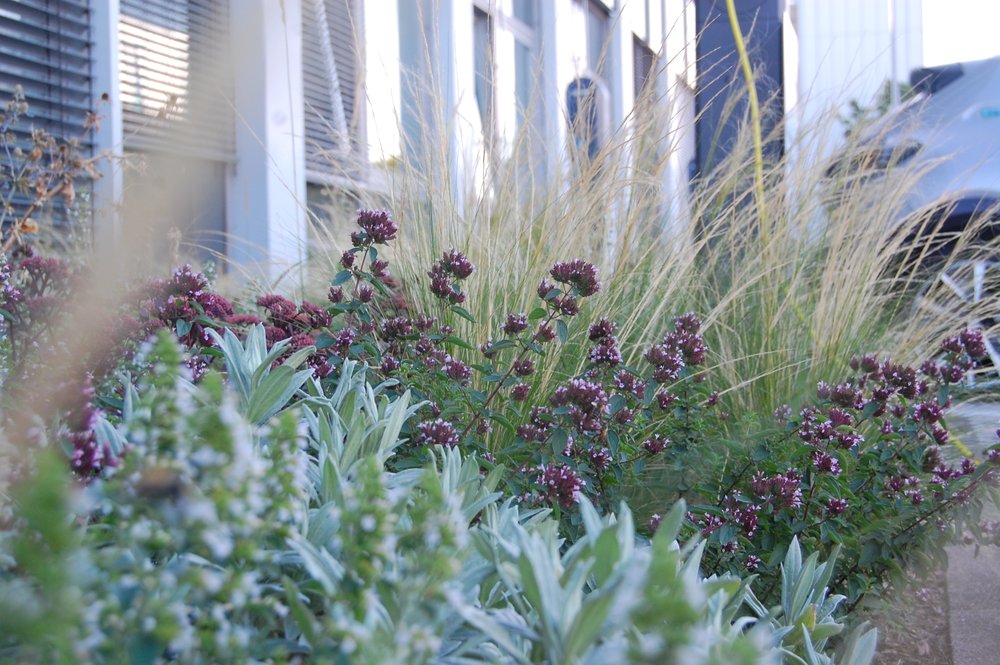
(597,36)
(481,44)
(523,79)
(524,10)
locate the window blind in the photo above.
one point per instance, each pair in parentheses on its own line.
(175,77)
(45,49)
(330,81)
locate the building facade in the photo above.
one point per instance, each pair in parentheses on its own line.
(240,110)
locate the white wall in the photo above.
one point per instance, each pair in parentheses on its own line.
(843,50)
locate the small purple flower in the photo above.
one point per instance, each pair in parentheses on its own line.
(752,562)
(455,263)
(656,444)
(396,327)
(336,295)
(927,412)
(627,383)
(665,399)
(378,225)
(606,352)
(456,370)
(343,340)
(600,459)
(587,402)
(545,333)
(654,522)
(544,288)
(365,293)
(560,484)
(601,329)
(519,392)
(523,367)
(839,417)
(578,274)
(836,506)
(347,259)
(389,365)
(972,340)
(515,323)
(825,463)
(782,413)
(380,269)
(437,432)
(566,305)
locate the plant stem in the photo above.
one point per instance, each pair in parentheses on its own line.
(496,389)
(758,143)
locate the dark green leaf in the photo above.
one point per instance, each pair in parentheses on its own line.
(537,313)
(562,331)
(459,342)
(464,313)
(340,278)
(614,442)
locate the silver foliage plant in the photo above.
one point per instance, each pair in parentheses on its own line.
(243,527)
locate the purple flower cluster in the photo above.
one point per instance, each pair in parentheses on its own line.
(559,484)
(186,297)
(824,462)
(782,489)
(437,432)
(445,274)
(515,323)
(655,444)
(835,507)
(577,274)
(586,403)
(87,457)
(377,228)
(684,347)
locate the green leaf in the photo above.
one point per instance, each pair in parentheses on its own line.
(614,442)
(182,327)
(869,553)
(459,342)
(562,331)
(273,393)
(537,313)
(340,278)
(464,313)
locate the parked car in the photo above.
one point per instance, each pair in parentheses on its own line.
(944,143)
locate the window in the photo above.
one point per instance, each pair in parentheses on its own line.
(597,36)
(45,49)
(483,62)
(176,97)
(643,65)
(505,68)
(333,108)
(176,85)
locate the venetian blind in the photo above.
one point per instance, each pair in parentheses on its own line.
(176,82)
(330,82)
(45,49)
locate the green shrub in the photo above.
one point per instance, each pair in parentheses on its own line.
(220,540)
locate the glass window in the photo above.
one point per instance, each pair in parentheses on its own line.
(482,45)
(597,36)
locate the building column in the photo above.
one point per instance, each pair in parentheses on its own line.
(108,138)
(266,188)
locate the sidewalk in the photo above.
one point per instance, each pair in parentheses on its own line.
(974,578)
